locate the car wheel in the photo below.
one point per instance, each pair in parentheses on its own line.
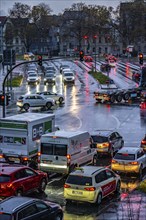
(119,98)
(58,217)
(19,192)
(99,199)
(61,100)
(94,162)
(126,96)
(118,187)
(42,186)
(98,100)
(48,105)
(112,99)
(26,107)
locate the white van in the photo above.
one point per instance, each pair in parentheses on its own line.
(62,151)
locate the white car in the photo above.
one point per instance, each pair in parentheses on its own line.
(34,100)
(49,78)
(33,78)
(129,160)
(91,184)
(57,97)
(68,77)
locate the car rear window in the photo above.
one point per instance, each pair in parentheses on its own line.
(79,180)
(4,178)
(54,149)
(21,98)
(99,139)
(124,156)
(4,216)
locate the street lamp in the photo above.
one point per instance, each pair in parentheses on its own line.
(95,37)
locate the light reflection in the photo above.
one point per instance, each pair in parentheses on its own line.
(87,87)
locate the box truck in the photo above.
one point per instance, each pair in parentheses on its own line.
(20,136)
(62,151)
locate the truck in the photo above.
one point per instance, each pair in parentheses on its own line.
(20,136)
(62,151)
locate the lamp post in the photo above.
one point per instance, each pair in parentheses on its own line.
(95,37)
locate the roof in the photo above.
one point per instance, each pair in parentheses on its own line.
(65,134)
(102,133)
(29,117)
(129,150)
(12,203)
(8,169)
(87,170)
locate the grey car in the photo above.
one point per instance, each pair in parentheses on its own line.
(34,100)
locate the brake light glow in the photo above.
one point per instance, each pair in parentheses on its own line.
(9,185)
(114,161)
(90,188)
(66,186)
(143,142)
(39,154)
(134,163)
(1,156)
(68,156)
(25,158)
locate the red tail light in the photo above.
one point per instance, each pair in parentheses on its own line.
(66,186)
(134,163)
(143,142)
(114,161)
(90,188)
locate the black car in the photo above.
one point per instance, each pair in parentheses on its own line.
(107,142)
(17,208)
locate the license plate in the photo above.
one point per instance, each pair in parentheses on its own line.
(77,192)
(14,159)
(47,161)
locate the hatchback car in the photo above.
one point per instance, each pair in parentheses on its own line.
(34,100)
(107,142)
(20,180)
(17,208)
(129,160)
(91,184)
(143,143)
(57,97)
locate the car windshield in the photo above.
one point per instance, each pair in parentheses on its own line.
(49,75)
(68,74)
(79,180)
(32,74)
(4,178)
(5,216)
(124,156)
(54,149)
(99,139)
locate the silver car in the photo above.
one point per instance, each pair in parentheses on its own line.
(57,97)
(34,100)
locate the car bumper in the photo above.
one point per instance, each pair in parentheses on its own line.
(80,195)
(54,168)
(103,150)
(125,168)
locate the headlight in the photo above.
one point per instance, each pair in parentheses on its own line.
(28,79)
(45,79)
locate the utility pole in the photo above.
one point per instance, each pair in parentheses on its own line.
(95,38)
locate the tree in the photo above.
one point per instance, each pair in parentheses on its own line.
(40,11)
(20,10)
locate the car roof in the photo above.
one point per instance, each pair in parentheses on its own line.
(129,150)
(11,204)
(87,170)
(105,133)
(8,169)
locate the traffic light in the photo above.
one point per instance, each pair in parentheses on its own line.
(81,55)
(141,58)
(40,60)
(2,100)
(8,99)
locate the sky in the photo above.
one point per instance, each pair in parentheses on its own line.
(57,6)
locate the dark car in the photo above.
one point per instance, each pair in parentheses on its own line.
(143,143)
(20,180)
(17,208)
(107,142)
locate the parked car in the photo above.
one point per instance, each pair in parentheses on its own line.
(34,100)
(88,58)
(49,78)
(107,142)
(91,184)
(20,180)
(57,97)
(129,160)
(143,143)
(33,78)
(17,208)
(68,77)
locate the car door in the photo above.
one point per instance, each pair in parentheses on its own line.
(21,181)
(119,140)
(141,157)
(114,141)
(33,178)
(39,100)
(102,182)
(30,100)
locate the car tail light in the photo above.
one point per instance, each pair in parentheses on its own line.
(114,161)
(106,144)
(9,185)
(1,156)
(143,142)
(134,163)
(25,158)
(39,155)
(90,188)
(66,186)
(68,156)
(20,100)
